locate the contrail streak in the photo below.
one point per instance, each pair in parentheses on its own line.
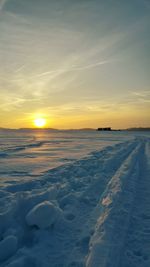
(59,71)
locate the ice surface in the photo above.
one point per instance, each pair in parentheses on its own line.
(75,199)
(28,154)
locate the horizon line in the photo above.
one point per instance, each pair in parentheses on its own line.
(69,129)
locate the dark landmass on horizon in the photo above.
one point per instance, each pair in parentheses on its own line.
(80,129)
(139,129)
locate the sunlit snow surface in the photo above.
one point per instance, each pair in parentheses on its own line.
(27,153)
(74,199)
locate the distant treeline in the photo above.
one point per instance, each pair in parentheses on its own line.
(104,129)
(139,129)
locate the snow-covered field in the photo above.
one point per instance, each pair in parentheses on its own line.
(74,199)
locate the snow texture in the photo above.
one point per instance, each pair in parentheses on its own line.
(92,210)
(8,247)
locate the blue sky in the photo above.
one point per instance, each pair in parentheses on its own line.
(78,63)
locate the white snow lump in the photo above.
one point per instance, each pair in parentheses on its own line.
(43,215)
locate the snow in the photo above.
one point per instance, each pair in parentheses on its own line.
(75,199)
(8,247)
(43,215)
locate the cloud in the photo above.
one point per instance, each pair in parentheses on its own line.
(93,65)
(142,94)
(73,68)
(2,4)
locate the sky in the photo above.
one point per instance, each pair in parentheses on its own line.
(76,63)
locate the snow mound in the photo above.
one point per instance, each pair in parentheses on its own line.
(43,215)
(8,247)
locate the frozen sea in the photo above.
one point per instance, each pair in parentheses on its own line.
(24,154)
(74,199)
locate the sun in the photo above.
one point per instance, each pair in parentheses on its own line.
(40,122)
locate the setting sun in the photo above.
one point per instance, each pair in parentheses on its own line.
(40,122)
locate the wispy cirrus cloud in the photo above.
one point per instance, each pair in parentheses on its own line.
(143,94)
(74,68)
(81,57)
(2,4)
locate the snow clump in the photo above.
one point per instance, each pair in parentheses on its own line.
(43,215)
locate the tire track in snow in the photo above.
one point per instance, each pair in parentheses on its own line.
(136,251)
(122,233)
(117,205)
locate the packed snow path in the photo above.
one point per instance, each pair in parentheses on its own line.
(94,212)
(136,251)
